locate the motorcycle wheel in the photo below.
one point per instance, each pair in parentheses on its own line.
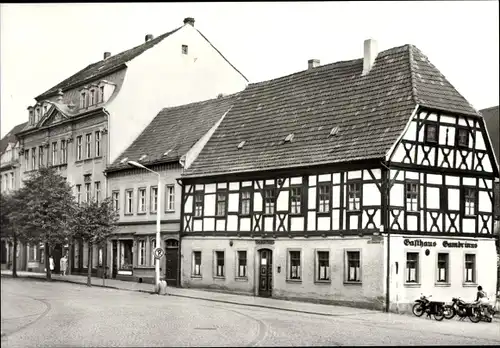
(418,309)
(449,312)
(475,316)
(439,315)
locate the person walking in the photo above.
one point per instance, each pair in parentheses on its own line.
(51,263)
(63,263)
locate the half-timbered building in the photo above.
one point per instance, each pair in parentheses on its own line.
(363,182)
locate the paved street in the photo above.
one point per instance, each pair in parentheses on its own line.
(37,313)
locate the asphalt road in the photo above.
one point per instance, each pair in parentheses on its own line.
(42,314)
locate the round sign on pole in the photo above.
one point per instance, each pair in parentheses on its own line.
(159,252)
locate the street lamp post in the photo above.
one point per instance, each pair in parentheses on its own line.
(158,225)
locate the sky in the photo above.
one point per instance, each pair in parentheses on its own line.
(43,44)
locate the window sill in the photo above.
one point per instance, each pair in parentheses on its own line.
(142,213)
(412,285)
(128,214)
(152,213)
(196,276)
(241,279)
(244,215)
(323,213)
(442,284)
(220,277)
(323,281)
(346,282)
(469,285)
(298,281)
(144,267)
(173,211)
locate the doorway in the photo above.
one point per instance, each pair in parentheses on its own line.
(265,273)
(172,257)
(114,270)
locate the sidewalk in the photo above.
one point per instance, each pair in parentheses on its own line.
(292,306)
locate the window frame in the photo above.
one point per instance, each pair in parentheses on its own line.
(26,160)
(33,158)
(97,190)
(426,133)
(185,49)
(272,200)
(289,263)
(238,274)
(79,151)
(317,266)
(320,195)
(54,153)
(97,143)
(417,185)
(201,205)
(88,145)
(359,273)
(464,197)
(131,210)
(291,195)
(64,152)
(88,191)
(141,252)
(360,197)
(169,198)
(221,193)
(115,201)
(153,206)
(416,262)
(195,274)
(217,258)
(249,200)
(446,280)
(473,282)
(40,156)
(78,193)
(139,197)
(458,143)
(152,247)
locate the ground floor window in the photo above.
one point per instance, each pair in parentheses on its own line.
(141,248)
(196,268)
(126,254)
(76,256)
(412,267)
(323,270)
(353,266)
(32,252)
(242,263)
(442,268)
(219,264)
(153,247)
(470,268)
(100,257)
(294,257)
(42,255)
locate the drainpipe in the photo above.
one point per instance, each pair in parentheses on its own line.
(388,232)
(108,142)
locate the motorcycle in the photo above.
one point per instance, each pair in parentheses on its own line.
(424,305)
(478,313)
(458,307)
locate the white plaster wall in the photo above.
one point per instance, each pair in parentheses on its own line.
(162,77)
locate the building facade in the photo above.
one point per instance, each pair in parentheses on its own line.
(82,124)
(358,183)
(168,144)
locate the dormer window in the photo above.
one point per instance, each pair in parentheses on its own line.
(37,114)
(83,99)
(45,107)
(463,137)
(184,49)
(92,97)
(431,133)
(32,117)
(101,94)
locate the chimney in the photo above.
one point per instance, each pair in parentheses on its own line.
(371,52)
(107,55)
(149,37)
(312,63)
(60,95)
(189,20)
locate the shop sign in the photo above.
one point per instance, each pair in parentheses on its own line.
(264,241)
(446,244)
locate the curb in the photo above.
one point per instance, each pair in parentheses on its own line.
(199,298)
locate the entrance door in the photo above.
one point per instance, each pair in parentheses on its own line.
(266,273)
(56,256)
(114,270)
(171,256)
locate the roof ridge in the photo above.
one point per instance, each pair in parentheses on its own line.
(491,107)
(200,102)
(412,74)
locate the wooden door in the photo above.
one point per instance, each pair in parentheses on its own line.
(172,263)
(266,273)
(114,270)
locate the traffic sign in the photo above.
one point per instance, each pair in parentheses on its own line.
(158,253)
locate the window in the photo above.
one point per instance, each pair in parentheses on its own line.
(221,204)
(353,266)
(296,200)
(442,268)
(197,263)
(245,203)
(323,265)
(88,196)
(42,255)
(470,268)
(64,152)
(101,94)
(116,200)
(92,97)
(26,160)
(83,98)
(198,204)
(324,198)
(469,201)
(40,156)
(431,133)
(54,154)
(79,148)
(354,202)
(269,201)
(33,158)
(412,197)
(128,201)
(97,138)
(153,247)
(171,198)
(154,199)
(141,203)
(294,265)
(219,266)
(97,189)
(88,138)
(32,118)
(463,137)
(141,251)
(242,264)
(412,267)
(184,49)
(12,181)
(78,193)
(32,252)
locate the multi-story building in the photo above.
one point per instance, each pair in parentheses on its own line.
(364,182)
(167,146)
(83,123)
(10,180)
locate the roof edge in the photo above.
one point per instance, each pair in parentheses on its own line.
(412,74)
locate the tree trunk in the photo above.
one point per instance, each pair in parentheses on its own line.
(89,265)
(14,258)
(47,262)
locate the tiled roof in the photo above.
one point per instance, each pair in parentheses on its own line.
(10,137)
(370,112)
(174,131)
(492,119)
(103,67)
